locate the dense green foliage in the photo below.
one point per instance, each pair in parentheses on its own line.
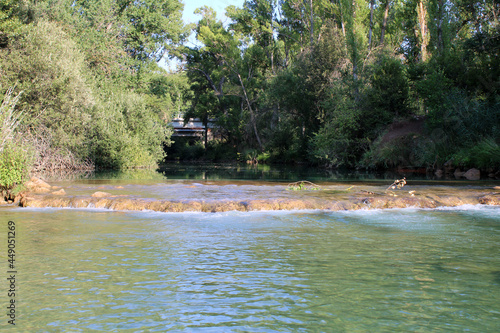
(286,81)
(15,165)
(15,158)
(321,81)
(92,90)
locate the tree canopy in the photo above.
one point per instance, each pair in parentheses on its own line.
(288,80)
(320,81)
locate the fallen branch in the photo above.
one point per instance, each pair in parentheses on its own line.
(398,183)
(303,185)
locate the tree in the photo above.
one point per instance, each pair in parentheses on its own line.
(12,17)
(232,57)
(154,27)
(149,29)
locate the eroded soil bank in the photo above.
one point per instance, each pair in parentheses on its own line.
(223,196)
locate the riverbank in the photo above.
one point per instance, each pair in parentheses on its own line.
(222,196)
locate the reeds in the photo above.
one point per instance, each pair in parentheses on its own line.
(9,119)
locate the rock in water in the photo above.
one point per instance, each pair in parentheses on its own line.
(36,185)
(491,199)
(100,194)
(472,174)
(60,192)
(458,173)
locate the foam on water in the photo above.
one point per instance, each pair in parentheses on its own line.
(493,211)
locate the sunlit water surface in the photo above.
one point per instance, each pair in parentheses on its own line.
(403,270)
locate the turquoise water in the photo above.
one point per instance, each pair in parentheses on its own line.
(403,270)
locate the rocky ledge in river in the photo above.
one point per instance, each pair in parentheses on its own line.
(42,194)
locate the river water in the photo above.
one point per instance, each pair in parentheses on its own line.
(396,270)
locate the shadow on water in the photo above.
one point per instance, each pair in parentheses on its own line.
(291,173)
(496,276)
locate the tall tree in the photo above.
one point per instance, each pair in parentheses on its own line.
(256,20)
(384,21)
(372,5)
(155,27)
(148,28)
(423,31)
(233,57)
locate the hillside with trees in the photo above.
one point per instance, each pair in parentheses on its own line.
(286,81)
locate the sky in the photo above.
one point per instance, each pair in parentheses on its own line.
(218,5)
(189,17)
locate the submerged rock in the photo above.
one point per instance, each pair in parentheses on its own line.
(59,192)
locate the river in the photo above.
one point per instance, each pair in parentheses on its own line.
(394,270)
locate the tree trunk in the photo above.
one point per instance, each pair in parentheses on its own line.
(312,21)
(384,22)
(342,23)
(219,93)
(440,27)
(372,3)
(252,115)
(206,130)
(354,45)
(423,31)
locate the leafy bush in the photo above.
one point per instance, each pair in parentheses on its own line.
(219,151)
(408,150)
(250,155)
(263,157)
(484,155)
(340,142)
(15,159)
(126,132)
(387,95)
(15,165)
(47,65)
(186,148)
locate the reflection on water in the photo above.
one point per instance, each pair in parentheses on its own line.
(365,271)
(262,172)
(266,172)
